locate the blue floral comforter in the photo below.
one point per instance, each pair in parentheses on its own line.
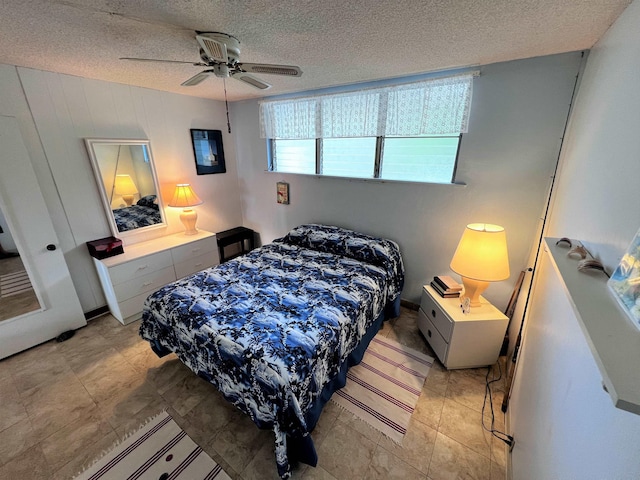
(272,328)
(136,216)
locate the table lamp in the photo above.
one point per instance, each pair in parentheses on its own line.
(185,197)
(481,257)
(125,187)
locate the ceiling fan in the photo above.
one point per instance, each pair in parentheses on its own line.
(220,52)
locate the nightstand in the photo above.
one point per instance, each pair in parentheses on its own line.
(461,340)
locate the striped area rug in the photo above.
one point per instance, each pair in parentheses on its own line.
(384,388)
(160,450)
(14,283)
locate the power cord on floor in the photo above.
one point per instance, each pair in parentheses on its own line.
(508,439)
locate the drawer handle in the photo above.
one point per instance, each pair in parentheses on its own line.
(433,313)
(142,267)
(429,333)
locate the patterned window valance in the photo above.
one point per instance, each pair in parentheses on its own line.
(430,107)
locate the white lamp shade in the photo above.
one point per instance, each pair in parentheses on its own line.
(184,196)
(124,185)
(482,253)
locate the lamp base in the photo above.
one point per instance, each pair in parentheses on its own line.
(189,217)
(473,289)
(128,199)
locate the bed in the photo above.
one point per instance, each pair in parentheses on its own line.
(144,213)
(276,330)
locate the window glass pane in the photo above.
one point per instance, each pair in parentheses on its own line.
(428,159)
(294,156)
(349,157)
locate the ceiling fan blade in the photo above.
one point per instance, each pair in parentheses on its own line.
(195,64)
(288,70)
(198,78)
(215,50)
(251,80)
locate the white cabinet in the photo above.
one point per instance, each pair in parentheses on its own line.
(128,279)
(461,340)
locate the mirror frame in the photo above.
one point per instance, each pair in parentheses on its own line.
(90,143)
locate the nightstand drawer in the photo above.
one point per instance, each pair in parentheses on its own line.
(433,336)
(436,315)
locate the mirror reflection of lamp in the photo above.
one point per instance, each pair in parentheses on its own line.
(125,187)
(481,257)
(185,197)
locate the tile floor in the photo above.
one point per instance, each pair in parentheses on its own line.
(63,404)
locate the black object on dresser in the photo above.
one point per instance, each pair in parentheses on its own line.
(240,237)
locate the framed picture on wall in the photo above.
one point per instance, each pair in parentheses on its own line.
(283,193)
(208,152)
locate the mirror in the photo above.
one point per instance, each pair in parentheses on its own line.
(17,296)
(128,185)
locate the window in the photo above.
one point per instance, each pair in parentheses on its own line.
(408,132)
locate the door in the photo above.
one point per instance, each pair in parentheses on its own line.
(25,213)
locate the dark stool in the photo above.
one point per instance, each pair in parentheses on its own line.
(240,236)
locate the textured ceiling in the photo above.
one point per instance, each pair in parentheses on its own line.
(335,42)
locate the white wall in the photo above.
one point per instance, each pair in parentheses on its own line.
(57,111)
(517,117)
(565,425)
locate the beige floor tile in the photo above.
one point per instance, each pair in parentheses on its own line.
(40,371)
(238,442)
(385,465)
(438,378)
(428,410)
(464,425)
(330,414)
(104,378)
(354,423)
(129,401)
(73,443)
(16,439)
(53,406)
(347,454)
(166,375)
(452,461)
(13,410)
(416,447)
(187,393)
(315,473)
(31,465)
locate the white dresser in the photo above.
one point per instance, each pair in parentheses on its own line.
(128,279)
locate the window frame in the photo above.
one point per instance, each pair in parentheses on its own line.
(378,160)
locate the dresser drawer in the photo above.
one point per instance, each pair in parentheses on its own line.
(431,333)
(436,315)
(195,249)
(131,309)
(139,267)
(194,265)
(147,283)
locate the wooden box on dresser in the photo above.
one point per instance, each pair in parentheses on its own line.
(461,340)
(128,279)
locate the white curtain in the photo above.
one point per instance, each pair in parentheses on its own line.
(430,107)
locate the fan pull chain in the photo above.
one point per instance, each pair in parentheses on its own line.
(224,83)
